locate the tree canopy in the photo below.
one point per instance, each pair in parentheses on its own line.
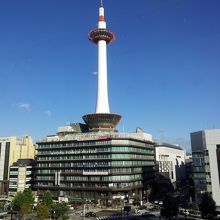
(207,206)
(60,209)
(170,207)
(23,202)
(42,211)
(47,199)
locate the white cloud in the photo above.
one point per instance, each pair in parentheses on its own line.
(95,73)
(48,113)
(22,106)
(161,130)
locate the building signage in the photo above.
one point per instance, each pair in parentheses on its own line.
(95,173)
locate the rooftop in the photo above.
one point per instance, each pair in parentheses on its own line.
(162,144)
(96,136)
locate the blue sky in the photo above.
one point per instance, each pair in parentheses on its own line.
(163,69)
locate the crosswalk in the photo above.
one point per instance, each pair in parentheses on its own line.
(116,217)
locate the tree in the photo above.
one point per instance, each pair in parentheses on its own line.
(24,209)
(193,206)
(169,208)
(23,202)
(60,210)
(207,206)
(47,199)
(42,211)
(2,206)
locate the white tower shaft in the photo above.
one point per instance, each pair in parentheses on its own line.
(102,119)
(102,104)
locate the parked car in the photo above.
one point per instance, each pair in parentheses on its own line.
(160,202)
(186,212)
(148,215)
(156,202)
(90,214)
(141,212)
(76,207)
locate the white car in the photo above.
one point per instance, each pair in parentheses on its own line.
(186,212)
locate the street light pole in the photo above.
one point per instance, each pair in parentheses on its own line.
(121,213)
(11,209)
(84,211)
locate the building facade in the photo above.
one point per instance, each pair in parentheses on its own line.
(206,163)
(171,162)
(99,166)
(21,176)
(12,149)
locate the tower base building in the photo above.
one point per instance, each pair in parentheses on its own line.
(95,166)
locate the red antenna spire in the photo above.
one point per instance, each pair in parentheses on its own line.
(101,12)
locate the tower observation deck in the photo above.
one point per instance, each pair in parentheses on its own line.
(102,119)
(101,34)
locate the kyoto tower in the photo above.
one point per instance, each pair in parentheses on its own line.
(102,119)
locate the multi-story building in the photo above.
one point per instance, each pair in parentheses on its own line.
(171,162)
(189,167)
(94,165)
(12,149)
(21,176)
(206,163)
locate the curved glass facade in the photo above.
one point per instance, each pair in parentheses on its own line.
(94,167)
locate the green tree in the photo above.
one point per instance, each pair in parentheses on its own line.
(23,202)
(47,199)
(24,209)
(169,208)
(60,210)
(2,205)
(193,206)
(42,211)
(207,206)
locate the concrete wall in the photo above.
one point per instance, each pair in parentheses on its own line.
(212,138)
(206,143)
(175,156)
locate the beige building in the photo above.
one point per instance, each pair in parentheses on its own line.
(21,176)
(12,149)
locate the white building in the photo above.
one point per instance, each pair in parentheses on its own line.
(171,161)
(206,163)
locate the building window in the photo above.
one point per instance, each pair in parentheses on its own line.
(6,165)
(206,153)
